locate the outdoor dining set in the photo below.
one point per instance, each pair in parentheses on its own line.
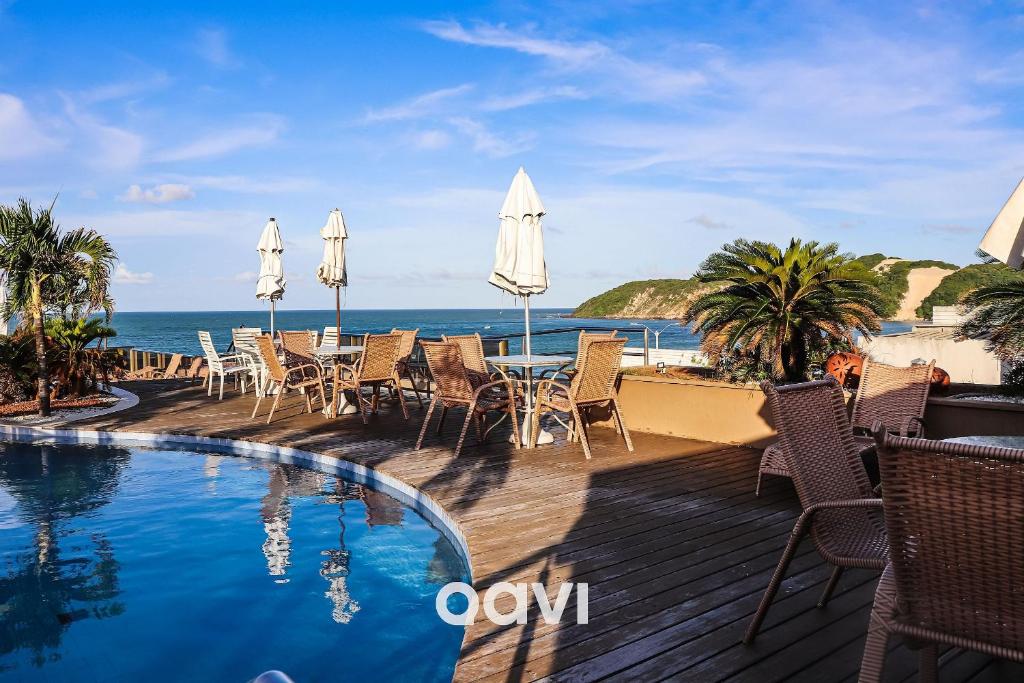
(453,372)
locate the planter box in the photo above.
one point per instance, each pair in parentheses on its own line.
(695,409)
(738,414)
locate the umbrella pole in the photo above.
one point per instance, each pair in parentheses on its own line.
(273,305)
(526,343)
(337,313)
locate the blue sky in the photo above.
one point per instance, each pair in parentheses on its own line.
(653,131)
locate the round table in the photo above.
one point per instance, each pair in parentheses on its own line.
(528,363)
(345,407)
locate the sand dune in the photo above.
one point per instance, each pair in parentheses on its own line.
(920,283)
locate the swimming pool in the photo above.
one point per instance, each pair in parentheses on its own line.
(138,564)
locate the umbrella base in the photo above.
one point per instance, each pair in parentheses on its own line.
(543,437)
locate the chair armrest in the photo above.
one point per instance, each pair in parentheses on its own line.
(908,427)
(296,368)
(844,504)
(338,367)
(490,385)
(546,384)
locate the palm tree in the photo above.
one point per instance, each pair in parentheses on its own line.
(46,268)
(778,306)
(997,314)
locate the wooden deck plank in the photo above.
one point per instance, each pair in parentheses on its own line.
(673,543)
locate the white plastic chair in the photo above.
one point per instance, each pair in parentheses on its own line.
(244,339)
(233,365)
(330,336)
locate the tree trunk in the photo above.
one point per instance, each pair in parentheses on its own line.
(44,371)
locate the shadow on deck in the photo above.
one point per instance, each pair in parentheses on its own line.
(671,540)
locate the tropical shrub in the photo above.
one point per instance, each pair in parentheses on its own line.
(780,307)
(50,270)
(76,367)
(996,313)
(17,366)
(953,287)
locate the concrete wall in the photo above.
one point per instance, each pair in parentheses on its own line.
(965,361)
(708,411)
(735,414)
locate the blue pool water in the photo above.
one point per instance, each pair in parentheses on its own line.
(126,565)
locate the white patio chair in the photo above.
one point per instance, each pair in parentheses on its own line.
(329,337)
(244,339)
(217,364)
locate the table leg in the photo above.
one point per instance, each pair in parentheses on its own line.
(544,436)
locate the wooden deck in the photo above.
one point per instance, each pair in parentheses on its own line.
(674,545)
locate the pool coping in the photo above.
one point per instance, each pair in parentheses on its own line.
(406,494)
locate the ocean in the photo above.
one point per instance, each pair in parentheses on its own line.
(176,331)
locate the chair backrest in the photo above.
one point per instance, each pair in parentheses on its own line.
(268,354)
(890,394)
(380,357)
(330,336)
(597,368)
(444,359)
(314,337)
(471,346)
(408,342)
(194,367)
(245,340)
(298,346)
(206,341)
(584,342)
(955,517)
(820,452)
(173,365)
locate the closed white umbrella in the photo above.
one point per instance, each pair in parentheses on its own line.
(519,266)
(331,270)
(1005,237)
(270,283)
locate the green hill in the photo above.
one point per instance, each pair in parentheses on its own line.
(893,282)
(954,287)
(666,298)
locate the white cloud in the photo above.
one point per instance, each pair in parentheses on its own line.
(431,139)
(417,107)
(263,131)
(21,136)
(515,100)
(121,89)
(615,72)
(212,45)
(489,143)
(159,194)
(155,223)
(245,276)
(103,145)
(123,276)
(88,193)
(249,185)
(706,221)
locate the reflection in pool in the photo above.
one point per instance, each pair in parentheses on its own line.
(120,564)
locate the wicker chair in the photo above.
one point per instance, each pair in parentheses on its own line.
(377,367)
(597,369)
(471,347)
(298,376)
(568,371)
(454,387)
(405,350)
(955,517)
(895,395)
(843,520)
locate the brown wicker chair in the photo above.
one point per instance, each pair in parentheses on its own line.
(843,520)
(569,370)
(405,350)
(471,347)
(298,376)
(955,517)
(377,367)
(454,387)
(597,369)
(895,395)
